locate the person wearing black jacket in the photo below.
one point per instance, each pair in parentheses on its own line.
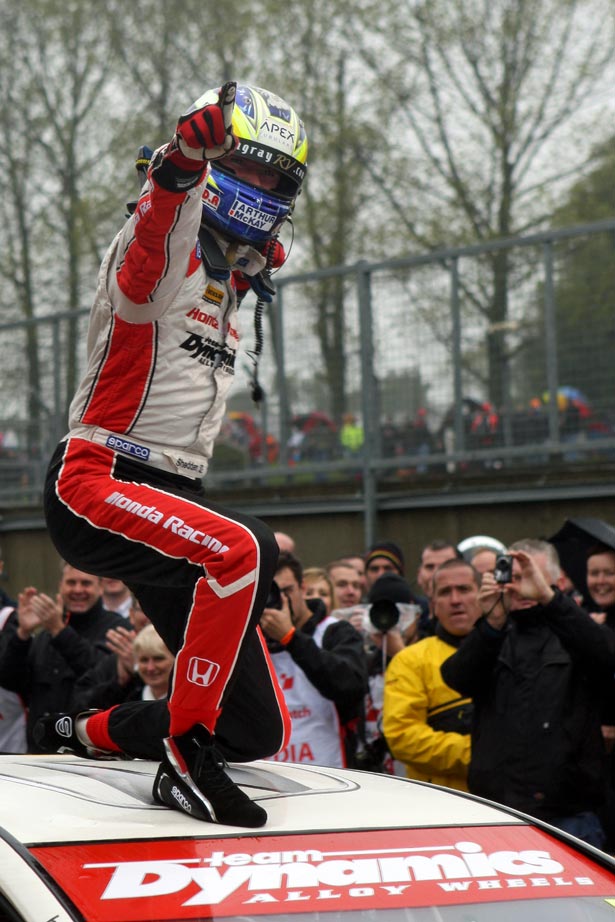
(322,670)
(600,602)
(13,712)
(538,669)
(105,685)
(51,642)
(113,679)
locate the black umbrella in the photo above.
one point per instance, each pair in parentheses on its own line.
(574,540)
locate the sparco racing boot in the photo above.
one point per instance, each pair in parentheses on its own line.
(57,733)
(191,778)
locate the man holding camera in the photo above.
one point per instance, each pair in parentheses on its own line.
(321,668)
(538,670)
(426,723)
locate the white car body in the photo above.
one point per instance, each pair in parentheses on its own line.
(83,841)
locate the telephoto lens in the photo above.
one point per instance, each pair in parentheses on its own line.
(384,615)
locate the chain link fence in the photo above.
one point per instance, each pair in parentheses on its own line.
(488,358)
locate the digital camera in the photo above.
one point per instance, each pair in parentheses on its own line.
(274,599)
(503,568)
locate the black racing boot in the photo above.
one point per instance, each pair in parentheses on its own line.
(191,778)
(56,733)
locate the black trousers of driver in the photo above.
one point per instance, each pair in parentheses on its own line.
(201,573)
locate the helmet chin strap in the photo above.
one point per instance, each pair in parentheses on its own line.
(231,253)
(218,264)
(265,297)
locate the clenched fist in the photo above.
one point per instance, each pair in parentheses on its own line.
(205,132)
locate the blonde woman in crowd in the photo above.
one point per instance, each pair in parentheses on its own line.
(317,585)
(154,662)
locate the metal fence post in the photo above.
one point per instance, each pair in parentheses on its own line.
(551,343)
(284,420)
(58,410)
(457,355)
(369,402)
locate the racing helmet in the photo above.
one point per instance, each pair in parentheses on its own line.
(271,138)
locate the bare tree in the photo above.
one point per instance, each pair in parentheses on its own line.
(490,102)
(171,52)
(313,68)
(69,67)
(19,215)
(55,74)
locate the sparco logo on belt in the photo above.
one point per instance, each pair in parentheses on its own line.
(128,448)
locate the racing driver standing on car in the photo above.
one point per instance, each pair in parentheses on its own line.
(124,496)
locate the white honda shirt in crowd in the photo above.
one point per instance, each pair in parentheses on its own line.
(316,736)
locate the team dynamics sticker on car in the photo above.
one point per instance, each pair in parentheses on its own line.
(182,879)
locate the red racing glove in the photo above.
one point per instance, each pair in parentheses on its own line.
(206,133)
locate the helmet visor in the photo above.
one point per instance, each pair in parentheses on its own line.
(255,173)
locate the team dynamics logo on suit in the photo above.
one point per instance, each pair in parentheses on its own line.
(209,352)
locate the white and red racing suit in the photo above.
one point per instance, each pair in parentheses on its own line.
(124,496)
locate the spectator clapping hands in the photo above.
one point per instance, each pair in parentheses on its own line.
(120,641)
(37,610)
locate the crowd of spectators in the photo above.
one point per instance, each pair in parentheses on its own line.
(315,436)
(460,674)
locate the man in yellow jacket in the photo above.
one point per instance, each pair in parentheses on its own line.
(426,723)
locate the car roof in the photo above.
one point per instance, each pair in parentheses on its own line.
(65,798)
(84,839)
